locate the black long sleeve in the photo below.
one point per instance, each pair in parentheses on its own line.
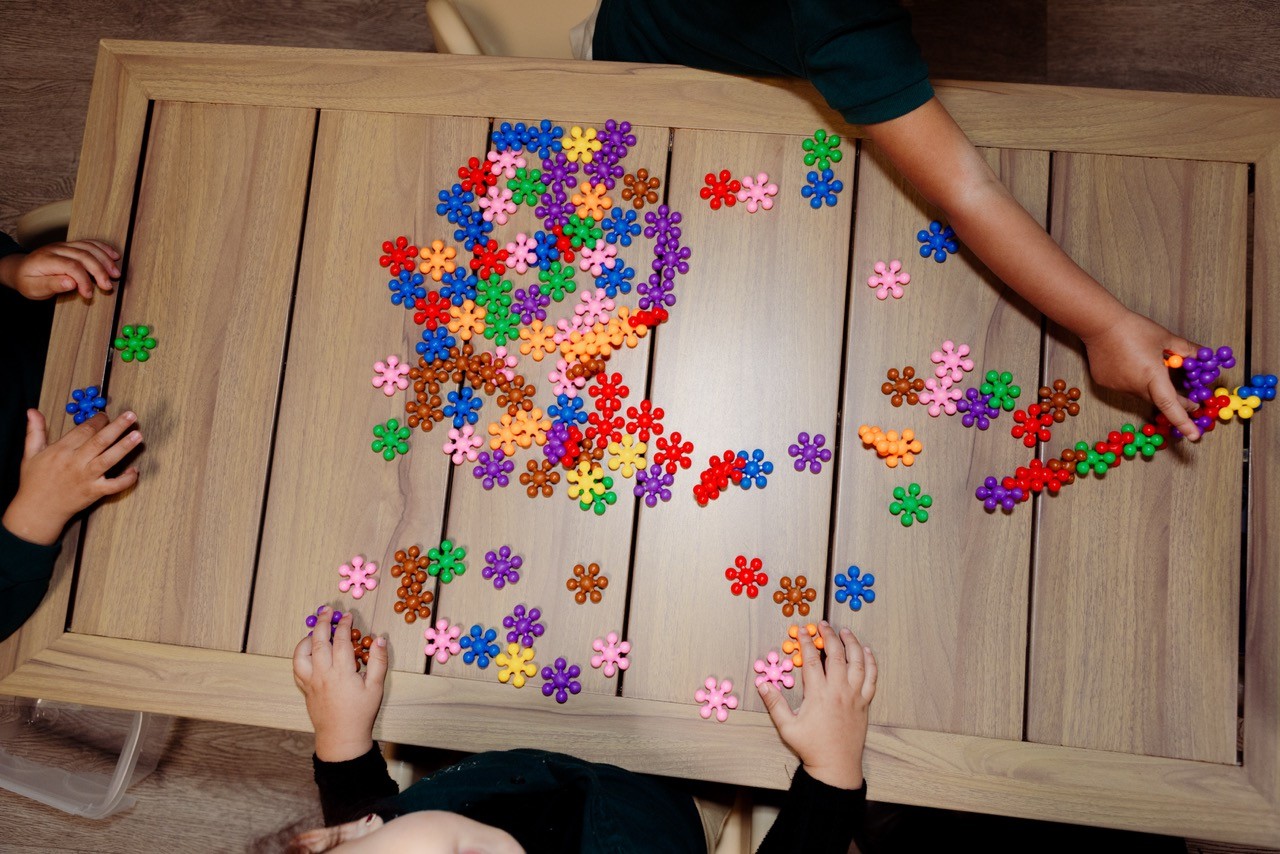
(25,568)
(816,818)
(349,789)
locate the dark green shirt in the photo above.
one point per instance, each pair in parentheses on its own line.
(860,54)
(25,568)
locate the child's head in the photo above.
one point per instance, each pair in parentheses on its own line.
(426,832)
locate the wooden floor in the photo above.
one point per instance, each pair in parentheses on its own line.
(229,787)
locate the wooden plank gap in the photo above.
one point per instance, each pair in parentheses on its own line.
(837,446)
(284,364)
(648,391)
(107,361)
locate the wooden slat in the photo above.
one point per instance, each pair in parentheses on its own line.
(1001,115)
(1136,581)
(767,290)
(552,534)
(81,333)
(331,497)
(1119,790)
(218,221)
(1262,589)
(949,621)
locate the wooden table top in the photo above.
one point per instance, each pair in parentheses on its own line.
(1083,648)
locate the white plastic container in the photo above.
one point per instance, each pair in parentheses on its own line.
(78,759)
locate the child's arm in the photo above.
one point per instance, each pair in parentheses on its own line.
(343,704)
(1125,348)
(57,481)
(61,267)
(826,804)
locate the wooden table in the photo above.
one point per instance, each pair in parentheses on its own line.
(1076,660)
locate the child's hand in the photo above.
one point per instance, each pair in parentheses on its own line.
(58,481)
(1128,356)
(61,267)
(830,728)
(342,703)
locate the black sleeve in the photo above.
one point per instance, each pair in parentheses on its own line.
(349,789)
(816,818)
(25,570)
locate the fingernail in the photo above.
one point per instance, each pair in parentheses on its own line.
(135,436)
(825,623)
(381,641)
(130,416)
(115,271)
(764,687)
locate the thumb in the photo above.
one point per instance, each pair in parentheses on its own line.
(777,707)
(376,672)
(1166,400)
(37,435)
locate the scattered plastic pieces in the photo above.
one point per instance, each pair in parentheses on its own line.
(821,150)
(313,619)
(541,477)
(357,577)
(135,342)
(493,469)
(406,289)
(888,279)
(746,576)
(1004,394)
(821,189)
(757,193)
(717,698)
(891,447)
(993,495)
(653,485)
(412,600)
(581,146)
(390,439)
(627,455)
(755,469)
(910,505)
(442,641)
(399,255)
(940,395)
(88,402)
(479,645)
(587,582)
(561,680)
(502,567)
(951,361)
(611,654)
(903,385)
(640,188)
(792,645)
(515,665)
(795,595)
(776,670)
(937,241)
(389,376)
(977,409)
(524,625)
(437,260)
(810,452)
(720,190)
(853,586)
(446,561)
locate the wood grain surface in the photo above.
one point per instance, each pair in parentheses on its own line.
(1000,115)
(215,245)
(82,329)
(331,497)
(748,360)
(1262,582)
(902,765)
(949,621)
(553,534)
(1137,578)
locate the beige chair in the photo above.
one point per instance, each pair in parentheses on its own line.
(537,28)
(45,224)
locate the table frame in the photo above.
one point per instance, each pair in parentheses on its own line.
(1238,803)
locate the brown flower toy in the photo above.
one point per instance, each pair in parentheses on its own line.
(795,595)
(411,599)
(640,188)
(903,386)
(587,581)
(540,477)
(360,646)
(1060,401)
